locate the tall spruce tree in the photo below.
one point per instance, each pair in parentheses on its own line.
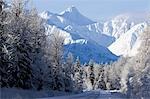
(20,49)
(4,59)
(91,73)
(78,77)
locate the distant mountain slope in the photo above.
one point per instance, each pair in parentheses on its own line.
(82,48)
(129,42)
(91,34)
(88,50)
(122,23)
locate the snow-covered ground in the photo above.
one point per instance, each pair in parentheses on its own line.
(96,94)
(30,94)
(13,93)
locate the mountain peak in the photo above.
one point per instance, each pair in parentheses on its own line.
(73,15)
(71,9)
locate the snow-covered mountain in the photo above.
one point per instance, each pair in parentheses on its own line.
(129,42)
(127,30)
(71,16)
(72,21)
(121,24)
(117,26)
(90,40)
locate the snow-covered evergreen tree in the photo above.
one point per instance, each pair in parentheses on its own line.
(19,45)
(56,55)
(140,79)
(78,77)
(115,71)
(4,59)
(68,69)
(19,48)
(91,73)
(38,41)
(102,79)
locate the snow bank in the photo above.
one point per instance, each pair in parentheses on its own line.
(7,93)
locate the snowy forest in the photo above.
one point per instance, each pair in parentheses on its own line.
(33,59)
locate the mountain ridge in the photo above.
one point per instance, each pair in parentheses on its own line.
(88,32)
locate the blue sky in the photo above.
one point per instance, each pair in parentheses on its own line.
(95,9)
